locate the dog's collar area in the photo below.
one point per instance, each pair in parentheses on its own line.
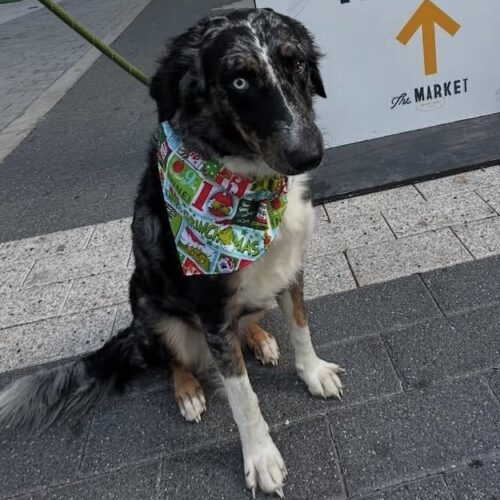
(221,221)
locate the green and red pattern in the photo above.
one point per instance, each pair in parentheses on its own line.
(221,221)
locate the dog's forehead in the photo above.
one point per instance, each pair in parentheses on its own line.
(252,41)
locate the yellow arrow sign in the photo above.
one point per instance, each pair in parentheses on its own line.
(426,17)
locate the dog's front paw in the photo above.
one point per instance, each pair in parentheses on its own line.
(265,468)
(321,378)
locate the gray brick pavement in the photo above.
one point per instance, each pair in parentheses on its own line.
(419,418)
(32,58)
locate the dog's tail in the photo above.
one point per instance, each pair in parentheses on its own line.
(36,401)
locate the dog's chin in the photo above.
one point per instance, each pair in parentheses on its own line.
(281,166)
(254,166)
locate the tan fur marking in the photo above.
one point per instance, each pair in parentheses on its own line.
(185,383)
(256,336)
(263,344)
(299,314)
(238,367)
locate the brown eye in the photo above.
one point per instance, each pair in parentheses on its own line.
(299,65)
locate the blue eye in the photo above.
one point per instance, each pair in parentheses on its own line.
(240,84)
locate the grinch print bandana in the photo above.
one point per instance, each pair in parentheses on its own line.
(221,221)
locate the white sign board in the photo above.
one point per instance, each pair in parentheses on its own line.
(397,65)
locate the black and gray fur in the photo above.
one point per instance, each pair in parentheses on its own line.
(267,124)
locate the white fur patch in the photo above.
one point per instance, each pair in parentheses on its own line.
(278,267)
(192,406)
(264,465)
(321,377)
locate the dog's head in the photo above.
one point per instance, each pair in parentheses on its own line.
(242,85)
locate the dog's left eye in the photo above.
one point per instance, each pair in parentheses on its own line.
(240,84)
(300,65)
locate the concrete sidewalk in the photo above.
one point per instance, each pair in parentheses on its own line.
(77,279)
(419,419)
(421,412)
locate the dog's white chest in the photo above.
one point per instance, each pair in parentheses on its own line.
(274,271)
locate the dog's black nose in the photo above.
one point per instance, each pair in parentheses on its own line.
(304,159)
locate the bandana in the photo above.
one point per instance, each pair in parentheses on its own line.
(221,221)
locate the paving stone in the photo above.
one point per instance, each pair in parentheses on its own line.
(466,286)
(112,233)
(437,213)
(123,317)
(352,232)
(12,274)
(491,195)
(374,202)
(432,488)
(132,427)
(284,397)
(367,311)
(414,254)
(132,483)
(321,215)
(34,461)
(98,291)
(432,351)
(54,338)
(460,183)
(494,381)
(47,245)
(327,274)
(217,473)
(33,304)
(482,238)
(406,436)
(78,265)
(51,51)
(362,312)
(480,480)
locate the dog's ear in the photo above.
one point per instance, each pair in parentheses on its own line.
(165,86)
(313,55)
(316,80)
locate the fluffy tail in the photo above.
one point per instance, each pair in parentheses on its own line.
(69,391)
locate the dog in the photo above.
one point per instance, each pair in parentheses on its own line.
(238,88)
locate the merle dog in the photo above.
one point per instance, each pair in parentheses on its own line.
(238,88)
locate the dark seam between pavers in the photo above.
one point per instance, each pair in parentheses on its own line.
(91,418)
(462,461)
(390,355)
(161,470)
(338,459)
(386,489)
(431,473)
(54,487)
(351,269)
(445,481)
(460,240)
(438,305)
(486,380)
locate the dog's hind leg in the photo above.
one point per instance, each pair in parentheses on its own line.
(263,344)
(188,393)
(321,377)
